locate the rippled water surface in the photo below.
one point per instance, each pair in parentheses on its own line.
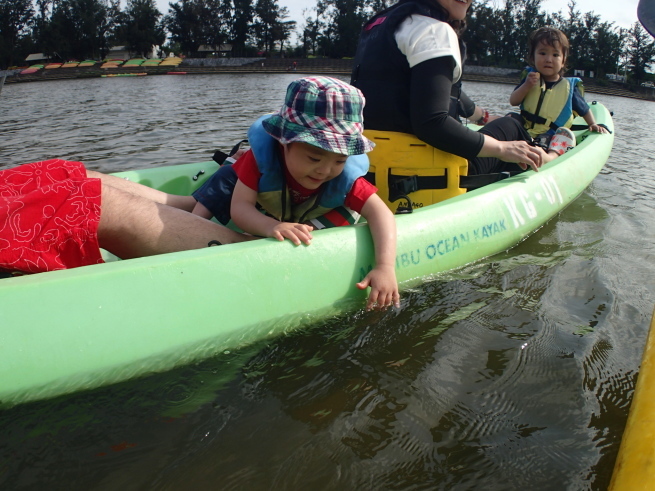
(513,373)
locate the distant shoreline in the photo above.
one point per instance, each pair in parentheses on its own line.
(304,67)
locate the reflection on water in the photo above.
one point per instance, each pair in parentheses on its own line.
(112,124)
(512,373)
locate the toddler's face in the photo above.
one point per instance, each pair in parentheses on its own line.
(311,166)
(549,60)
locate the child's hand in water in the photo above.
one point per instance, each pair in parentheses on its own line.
(384,288)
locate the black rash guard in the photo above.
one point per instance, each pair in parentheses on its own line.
(431,84)
(461,106)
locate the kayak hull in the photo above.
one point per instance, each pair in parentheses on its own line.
(635,465)
(70,330)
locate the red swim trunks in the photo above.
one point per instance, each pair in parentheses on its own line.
(49,216)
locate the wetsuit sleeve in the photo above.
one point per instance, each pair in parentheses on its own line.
(247,170)
(580,106)
(431,83)
(465,106)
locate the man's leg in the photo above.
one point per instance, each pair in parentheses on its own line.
(182,202)
(135,226)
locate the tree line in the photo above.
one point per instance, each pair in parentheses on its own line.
(496,36)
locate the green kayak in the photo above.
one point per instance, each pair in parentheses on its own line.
(76,329)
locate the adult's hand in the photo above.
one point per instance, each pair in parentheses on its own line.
(518,152)
(523,154)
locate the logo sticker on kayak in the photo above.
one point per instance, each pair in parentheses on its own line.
(551,193)
(521,208)
(448,245)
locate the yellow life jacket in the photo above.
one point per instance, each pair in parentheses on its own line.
(545,110)
(400,160)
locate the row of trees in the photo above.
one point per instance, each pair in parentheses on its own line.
(499,37)
(496,36)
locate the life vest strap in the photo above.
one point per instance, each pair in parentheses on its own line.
(404,185)
(539,120)
(220,157)
(534,119)
(580,127)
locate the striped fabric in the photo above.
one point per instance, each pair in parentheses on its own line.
(338,217)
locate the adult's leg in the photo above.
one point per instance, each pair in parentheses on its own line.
(51,214)
(182,202)
(502,129)
(134,226)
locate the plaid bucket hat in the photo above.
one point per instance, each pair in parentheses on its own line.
(324,112)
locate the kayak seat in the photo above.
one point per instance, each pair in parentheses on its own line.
(403,166)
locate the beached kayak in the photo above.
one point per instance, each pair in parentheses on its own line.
(65,331)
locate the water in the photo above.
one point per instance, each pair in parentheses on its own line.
(514,373)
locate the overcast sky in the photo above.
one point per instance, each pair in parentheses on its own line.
(622,12)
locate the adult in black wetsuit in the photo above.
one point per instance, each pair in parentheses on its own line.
(408,58)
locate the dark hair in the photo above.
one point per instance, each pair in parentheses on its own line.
(551,37)
(459,26)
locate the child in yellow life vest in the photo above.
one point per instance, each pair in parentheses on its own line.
(549,102)
(305,169)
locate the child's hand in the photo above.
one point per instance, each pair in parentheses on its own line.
(295,232)
(532,79)
(384,288)
(597,128)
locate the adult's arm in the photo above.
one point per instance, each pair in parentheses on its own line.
(465,106)
(430,99)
